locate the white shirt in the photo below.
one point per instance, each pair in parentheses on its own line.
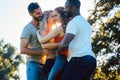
(81,43)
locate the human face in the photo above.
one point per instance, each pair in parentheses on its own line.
(50,17)
(37,14)
(68,9)
(57,17)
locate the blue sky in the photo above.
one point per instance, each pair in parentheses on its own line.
(14,16)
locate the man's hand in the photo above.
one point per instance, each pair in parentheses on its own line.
(45,51)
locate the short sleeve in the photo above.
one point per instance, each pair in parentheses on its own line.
(71,28)
(25,33)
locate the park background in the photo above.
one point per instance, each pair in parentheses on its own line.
(103,15)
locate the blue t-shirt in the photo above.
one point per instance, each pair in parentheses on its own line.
(29,32)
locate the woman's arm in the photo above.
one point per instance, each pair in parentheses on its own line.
(49,36)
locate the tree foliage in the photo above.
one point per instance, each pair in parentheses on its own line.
(9,62)
(105,21)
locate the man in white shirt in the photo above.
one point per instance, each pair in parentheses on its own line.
(82,62)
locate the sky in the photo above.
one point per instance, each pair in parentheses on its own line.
(14,16)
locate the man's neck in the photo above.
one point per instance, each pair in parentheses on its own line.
(35,23)
(76,14)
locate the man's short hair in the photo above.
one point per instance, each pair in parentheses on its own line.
(75,3)
(32,6)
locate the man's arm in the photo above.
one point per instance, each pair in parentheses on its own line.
(25,50)
(65,42)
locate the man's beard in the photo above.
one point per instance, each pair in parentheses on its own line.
(69,15)
(38,19)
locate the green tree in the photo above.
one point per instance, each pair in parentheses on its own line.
(105,21)
(9,62)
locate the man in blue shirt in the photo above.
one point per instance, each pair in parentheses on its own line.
(29,45)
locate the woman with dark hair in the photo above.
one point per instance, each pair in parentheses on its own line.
(61,58)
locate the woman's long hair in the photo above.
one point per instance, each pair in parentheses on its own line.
(63,15)
(43,22)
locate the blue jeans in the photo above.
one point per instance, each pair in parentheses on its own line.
(80,68)
(58,67)
(34,71)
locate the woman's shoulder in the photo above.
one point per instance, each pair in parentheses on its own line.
(58,29)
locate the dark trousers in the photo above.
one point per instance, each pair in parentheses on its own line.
(48,66)
(80,68)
